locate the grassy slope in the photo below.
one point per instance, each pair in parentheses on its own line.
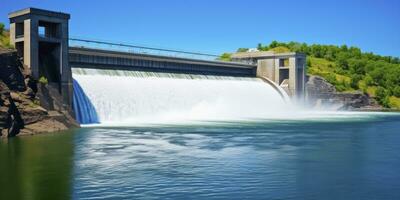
(325,69)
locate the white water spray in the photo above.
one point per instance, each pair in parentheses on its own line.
(129,98)
(146,97)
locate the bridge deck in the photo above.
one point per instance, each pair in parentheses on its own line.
(105,59)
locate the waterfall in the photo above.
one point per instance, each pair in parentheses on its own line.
(131,97)
(85,113)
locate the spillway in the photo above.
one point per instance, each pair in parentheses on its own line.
(117,97)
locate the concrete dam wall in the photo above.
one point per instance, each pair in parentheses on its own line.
(117,60)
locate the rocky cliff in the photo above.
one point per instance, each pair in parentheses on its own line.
(26,106)
(321,94)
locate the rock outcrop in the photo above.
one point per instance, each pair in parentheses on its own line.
(321,94)
(10,118)
(26,106)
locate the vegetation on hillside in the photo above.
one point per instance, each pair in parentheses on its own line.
(349,69)
(225,57)
(4,37)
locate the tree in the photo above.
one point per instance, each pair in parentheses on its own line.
(242,50)
(382,97)
(378,75)
(308,62)
(225,57)
(396,91)
(342,60)
(368,80)
(273,44)
(355,78)
(259,47)
(1,28)
(356,66)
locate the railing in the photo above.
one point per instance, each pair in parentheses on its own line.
(75,42)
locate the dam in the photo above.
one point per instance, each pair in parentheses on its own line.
(131,84)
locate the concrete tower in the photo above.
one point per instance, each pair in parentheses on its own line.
(41,38)
(285,69)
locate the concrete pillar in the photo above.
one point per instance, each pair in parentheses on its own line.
(266,68)
(276,70)
(12,34)
(292,76)
(66,74)
(31,46)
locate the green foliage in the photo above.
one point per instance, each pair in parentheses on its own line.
(355,79)
(308,62)
(43,80)
(35,103)
(225,57)
(242,50)
(382,97)
(394,102)
(1,28)
(331,78)
(368,80)
(4,37)
(396,91)
(280,49)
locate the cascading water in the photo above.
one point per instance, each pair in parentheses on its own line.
(126,97)
(84,110)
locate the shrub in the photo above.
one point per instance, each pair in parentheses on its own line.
(382,96)
(355,78)
(308,62)
(396,91)
(331,78)
(1,28)
(242,50)
(225,57)
(43,80)
(368,80)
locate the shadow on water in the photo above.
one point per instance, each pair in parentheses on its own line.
(37,167)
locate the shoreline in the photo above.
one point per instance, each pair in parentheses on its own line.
(61,131)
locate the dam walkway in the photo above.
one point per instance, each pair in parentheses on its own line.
(106,55)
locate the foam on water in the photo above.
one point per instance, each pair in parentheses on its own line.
(128,98)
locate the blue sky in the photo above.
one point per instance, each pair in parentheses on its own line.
(215,26)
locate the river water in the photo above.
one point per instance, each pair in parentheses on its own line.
(351,157)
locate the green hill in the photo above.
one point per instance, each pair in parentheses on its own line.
(348,69)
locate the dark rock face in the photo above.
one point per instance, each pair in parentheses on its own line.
(11,71)
(10,118)
(319,87)
(21,101)
(322,94)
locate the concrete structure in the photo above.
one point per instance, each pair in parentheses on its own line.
(80,57)
(285,69)
(41,38)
